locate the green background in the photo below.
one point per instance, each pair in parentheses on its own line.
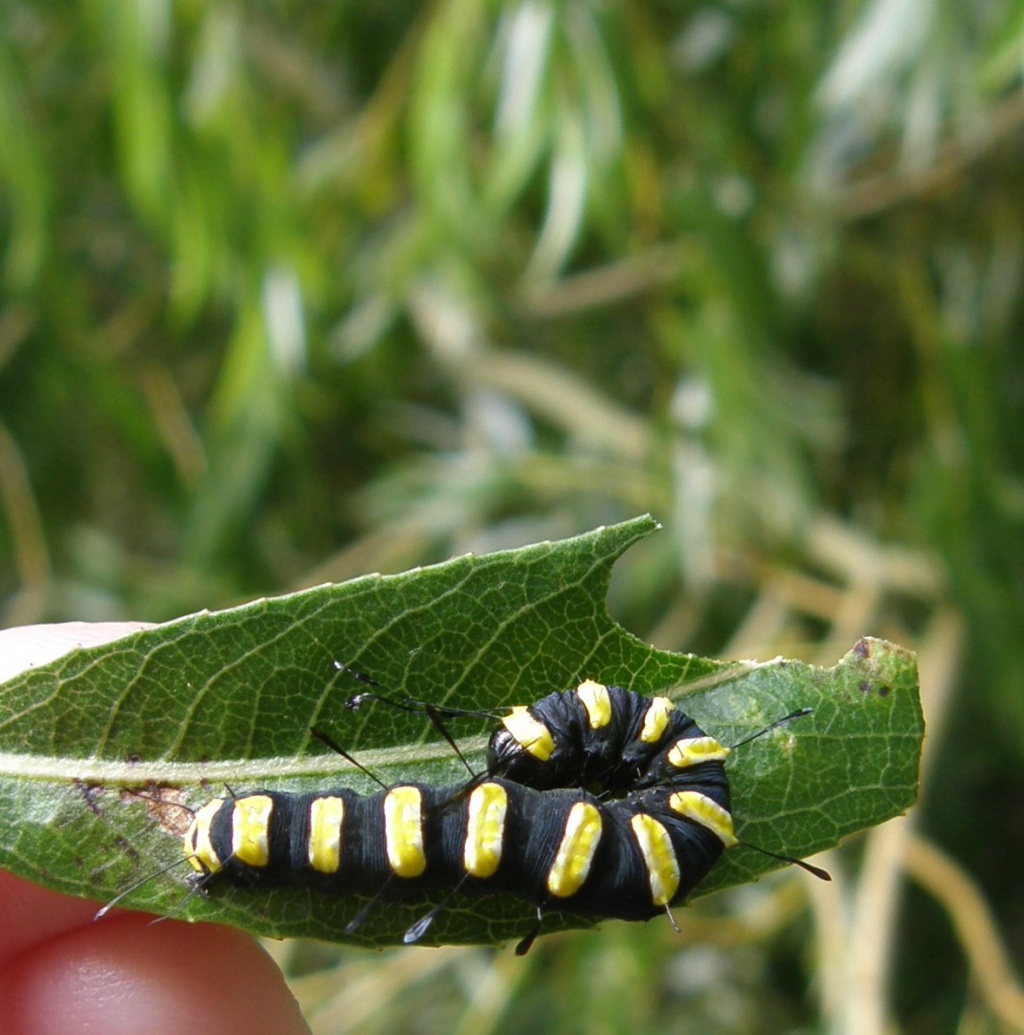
(297,292)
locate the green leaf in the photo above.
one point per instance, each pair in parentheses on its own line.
(102,750)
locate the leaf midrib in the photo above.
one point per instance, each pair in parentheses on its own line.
(243,770)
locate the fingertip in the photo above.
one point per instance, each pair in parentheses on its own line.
(30,914)
(127,975)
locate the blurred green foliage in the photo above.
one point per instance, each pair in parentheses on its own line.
(297,291)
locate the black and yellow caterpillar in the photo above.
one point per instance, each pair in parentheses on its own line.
(598,802)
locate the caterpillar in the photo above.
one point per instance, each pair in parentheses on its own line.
(598,802)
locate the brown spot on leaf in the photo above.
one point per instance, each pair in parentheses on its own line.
(166,806)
